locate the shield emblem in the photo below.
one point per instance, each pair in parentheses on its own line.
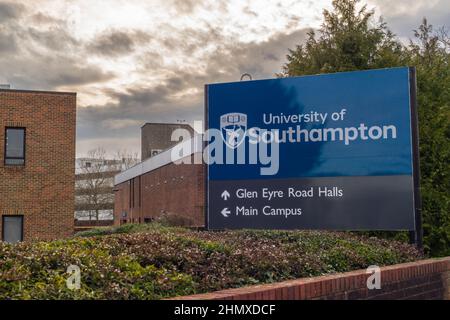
(233,127)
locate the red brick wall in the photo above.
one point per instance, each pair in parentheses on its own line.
(427,279)
(175,189)
(83,225)
(93,223)
(43,189)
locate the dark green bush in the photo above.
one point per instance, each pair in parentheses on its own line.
(171,219)
(154,262)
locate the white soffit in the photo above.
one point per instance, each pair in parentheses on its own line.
(161,159)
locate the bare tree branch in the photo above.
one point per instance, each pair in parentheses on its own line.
(95,179)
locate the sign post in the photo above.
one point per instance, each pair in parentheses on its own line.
(332,152)
(416,236)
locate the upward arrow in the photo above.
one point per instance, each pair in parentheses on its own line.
(225,195)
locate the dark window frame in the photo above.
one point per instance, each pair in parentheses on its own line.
(16,216)
(139,194)
(131,193)
(24,148)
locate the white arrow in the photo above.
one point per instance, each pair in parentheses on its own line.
(225,212)
(225,195)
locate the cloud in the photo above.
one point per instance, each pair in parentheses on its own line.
(115,124)
(403,17)
(133,61)
(180,95)
(115,43)
(132,104)
(250,12)
(261,60)
(163,64)
(9,10)
(48,72)
(55,38)
(7,43)
(110,144)
(41,18)
(38,52)
(10,13)
(185,6)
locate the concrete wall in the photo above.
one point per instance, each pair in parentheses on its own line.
(42,190)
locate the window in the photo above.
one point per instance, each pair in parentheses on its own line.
(147,220)
(15,146)
(12,229)
(131,193)
(139,194)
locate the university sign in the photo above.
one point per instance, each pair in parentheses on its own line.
(335,151)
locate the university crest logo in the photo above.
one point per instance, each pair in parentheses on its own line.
(233,127)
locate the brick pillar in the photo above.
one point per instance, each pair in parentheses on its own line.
(446,283)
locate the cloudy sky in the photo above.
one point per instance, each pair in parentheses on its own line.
(137,61)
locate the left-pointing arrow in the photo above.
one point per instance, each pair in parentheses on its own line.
(225,212)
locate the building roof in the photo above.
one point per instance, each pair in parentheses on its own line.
(161,159)
(38,91)
(167,124)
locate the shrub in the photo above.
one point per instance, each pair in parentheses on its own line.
(171,219)
(153,262)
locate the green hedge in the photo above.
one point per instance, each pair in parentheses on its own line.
(154,262)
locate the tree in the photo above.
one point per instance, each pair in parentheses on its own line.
(350,39)
(128,159)
(429,52)
(95,180)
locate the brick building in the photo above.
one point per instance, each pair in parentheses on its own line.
(157,186)
(156,137)
(37,164)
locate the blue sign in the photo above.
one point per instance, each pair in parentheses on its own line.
(332,151)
